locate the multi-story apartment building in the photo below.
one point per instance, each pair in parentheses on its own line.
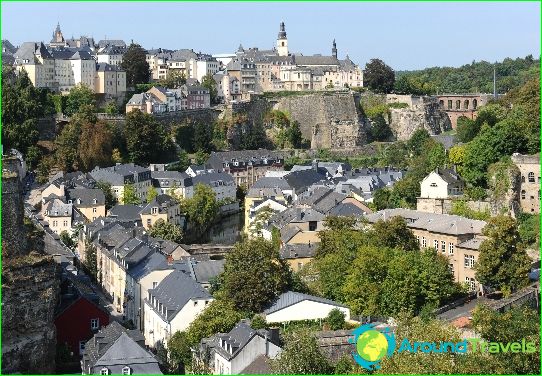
(163,207)
(121,175)
(111,55)
(110,80)
(456,237)
(39,64)
(246,166)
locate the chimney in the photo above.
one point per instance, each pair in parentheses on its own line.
(315,164)
(169,259)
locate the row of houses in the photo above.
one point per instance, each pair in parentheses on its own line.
(159,100)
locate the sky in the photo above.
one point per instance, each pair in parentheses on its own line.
(406,36)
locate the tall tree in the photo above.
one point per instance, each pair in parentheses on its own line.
(146,139)
(209,83)
(254,275)
(378,76)
(301,355)
(202,208)
(79,96)
(134,62)
(96,146)
(502,261)
(393,233)
(110,199)
(167,231)
(129,196)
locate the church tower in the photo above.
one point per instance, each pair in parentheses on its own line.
(58,38)
(334,49)
(282,41)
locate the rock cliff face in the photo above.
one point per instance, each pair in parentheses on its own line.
(328,120)
(30,288)
(424,112)
(505,184)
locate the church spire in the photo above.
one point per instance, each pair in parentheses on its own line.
(282,31)
(334,49)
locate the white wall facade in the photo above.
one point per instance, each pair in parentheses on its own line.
(305,310)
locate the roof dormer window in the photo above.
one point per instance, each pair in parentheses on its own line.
(154,210)
(126,371)
(104,371)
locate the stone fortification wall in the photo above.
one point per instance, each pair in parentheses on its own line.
(30,287)
(424,113)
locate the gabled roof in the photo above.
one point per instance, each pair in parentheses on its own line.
(115,347)
(290,298)
(448,175)
(174,292)
(316,60)
(111,42)
(301,180)
(126,213)
(84,197)
(162,202)
(213,177)
(293,251)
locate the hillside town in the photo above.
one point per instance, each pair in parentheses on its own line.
(174,212)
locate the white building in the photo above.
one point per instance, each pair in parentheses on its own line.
(294,306)
(171,306)
(234,352)
(441,183)
(220,182)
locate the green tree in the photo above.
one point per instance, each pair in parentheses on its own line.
(258,322)
(301,355)
(110,199)
(209,83)
(335,319)
(381,198)
(174,79)
(380,130)
(33,156)
(378,77)
(416,329)
(79,96)
(529,229)
(151,194)
(254,275)
(202,208)
(91,263)
(220,316)
(201,157)
(167,231)
(417,140)
(66,238)
(129,196)
(95,146)
(502,261)
(67,147)
(393,233)
(203,136)
(111,108)
(179,352)
(134,62)
(146,139)
(511,326)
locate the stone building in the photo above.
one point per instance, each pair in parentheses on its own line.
(529,166)
(30,287)
(457,105)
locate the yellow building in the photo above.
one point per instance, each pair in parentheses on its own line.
(109,80)
(90,202)
(163,207)
(456,237)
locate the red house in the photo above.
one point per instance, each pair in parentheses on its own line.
(78,322)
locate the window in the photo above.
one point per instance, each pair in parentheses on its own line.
(312,225)
(471,283)
(523,194)
(65,223)
(469,261)
(433,184)
(126,371)
(55,223)
(154,210)
(104,371)
(81,347)
(148,221)
(195,303)
(451,248)
(424,242)
(154,284)
(435,244)
(531,177)
(418,238)
(443,246)
(94,210)
(451,267)
(94,324)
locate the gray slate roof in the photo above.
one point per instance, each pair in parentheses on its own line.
(293,251)
(111,42)
(57,208)
(301,180)
(290,298)
(84,197)
(438,223)
(162,202)
(126,213)
(175,291)
(213,178)
(346,210)
(115,347)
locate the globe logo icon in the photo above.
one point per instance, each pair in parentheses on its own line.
(372,346)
